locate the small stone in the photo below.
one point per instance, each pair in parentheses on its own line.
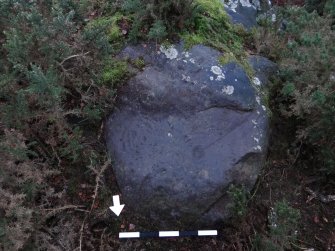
(131,227)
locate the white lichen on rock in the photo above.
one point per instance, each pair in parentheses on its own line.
(220,77)
(186,78)
(233,4)
(228,89)
(258,148)
(264,108)
(187,54)
(258,100)
(256,81)
(217,71)
(192,60)
(169,51)
(246,3)
(211,78)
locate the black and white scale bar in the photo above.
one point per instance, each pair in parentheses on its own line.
(163,234)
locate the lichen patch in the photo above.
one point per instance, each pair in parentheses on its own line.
(170,52)
(186,78)
(228,89)
(246,3)
(256,81)
(216,70)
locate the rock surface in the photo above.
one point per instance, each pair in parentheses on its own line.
(185,128)
(263,69)
(242,12)
(246,12)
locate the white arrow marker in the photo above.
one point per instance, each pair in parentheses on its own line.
(117,208)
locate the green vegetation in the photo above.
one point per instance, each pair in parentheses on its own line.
(155,19)
(114,73)
(139,63)
(283,224)
(111,29)
(50,98)
(306,81)
(212,27)
(239,197)
(196,22)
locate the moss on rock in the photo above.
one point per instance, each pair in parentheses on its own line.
(114,73)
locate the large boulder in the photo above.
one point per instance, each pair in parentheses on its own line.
(184,129)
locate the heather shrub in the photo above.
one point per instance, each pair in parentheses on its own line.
(283,224)
(306,81)
(155,19)
(307,72)
(51,107)
(323,7)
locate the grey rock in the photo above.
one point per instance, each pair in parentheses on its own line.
(263,68)
(246,12)
(242,12)
(185,128)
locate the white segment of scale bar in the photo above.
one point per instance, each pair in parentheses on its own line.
(168,233)
(207,232)
(129,235)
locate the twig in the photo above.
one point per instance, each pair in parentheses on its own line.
(101,239)
(72,112)
(297,155)
(96,189)
(55,152)
(322,198)
(62,208)
(73,56)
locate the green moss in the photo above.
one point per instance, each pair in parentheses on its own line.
(139,63)
(247,68)
(192,39)
(243,62)
(227,58)
(214,8)
(114,73)
(212,27)
(110,25)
